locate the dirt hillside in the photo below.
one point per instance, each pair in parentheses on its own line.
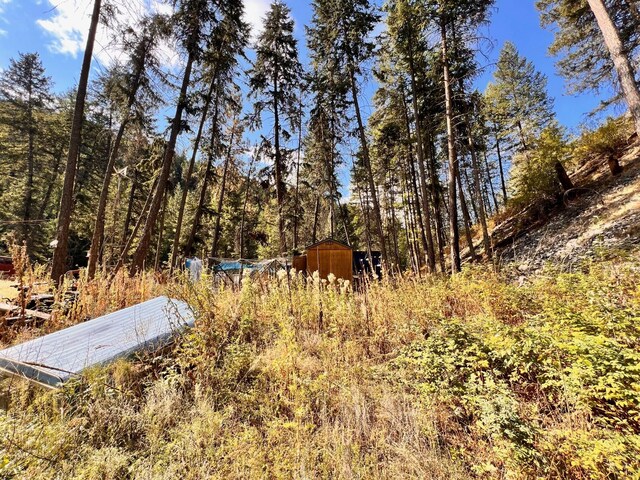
(602,212)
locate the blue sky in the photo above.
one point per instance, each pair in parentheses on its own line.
(56,29)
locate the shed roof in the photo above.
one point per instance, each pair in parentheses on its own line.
(54,358)
(329,240)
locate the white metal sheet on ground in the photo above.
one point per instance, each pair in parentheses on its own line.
(54,358)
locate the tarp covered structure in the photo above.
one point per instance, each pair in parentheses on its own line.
(231,271)
(54,358)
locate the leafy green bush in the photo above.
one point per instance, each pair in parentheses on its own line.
(534,177)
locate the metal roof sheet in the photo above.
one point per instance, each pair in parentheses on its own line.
(54,358)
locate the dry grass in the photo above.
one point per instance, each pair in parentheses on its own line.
(470,377)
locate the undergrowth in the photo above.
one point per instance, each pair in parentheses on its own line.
(468,377)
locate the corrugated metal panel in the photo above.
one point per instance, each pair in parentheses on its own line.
(52,359)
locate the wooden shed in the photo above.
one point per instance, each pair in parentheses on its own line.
(330,256)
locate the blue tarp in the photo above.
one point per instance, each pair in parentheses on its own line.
(54,358)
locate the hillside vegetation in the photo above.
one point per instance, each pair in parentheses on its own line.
(463,377)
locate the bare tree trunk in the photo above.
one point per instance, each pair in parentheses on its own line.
(316,211)
(435,187)
(412,173)
(223,185)
(490,181)
(431,256)
(280,185)
(620,59)
(140,254)
(296,207)
(187,178)
(59,262)
(475,171)
(367,164)
(195,226)
(127,220)
(161,232)
(500,166)
(467,221)
(454,234)
(244,207)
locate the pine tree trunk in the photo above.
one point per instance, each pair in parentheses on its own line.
(435,192)
(367,226)
(127,220)
(51,185)
(141,252)
(503,184)
(280,187)
(197,216)
(98,229)
(296,207)
(412,172)
(454,234)
(475,171)
(59,262)
(187,178)
(316,211)
(163,216)
(345,226)
(431,256)
(620,59)
(129,241)
(409,224)
(195,226)
(367,164)
(490,181)
(394,230)
(467,221)
(28,192)
(223,185)
(244,207)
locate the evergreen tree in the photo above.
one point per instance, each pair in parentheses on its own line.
(219,67)
(25,91)
(584,59)
(133,88)
(454,19)
(273,81)
(517,99)
(193,21)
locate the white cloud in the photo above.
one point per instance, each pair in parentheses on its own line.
(3,4)
(69,22)
(254,13)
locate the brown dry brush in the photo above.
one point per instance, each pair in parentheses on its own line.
(468,377)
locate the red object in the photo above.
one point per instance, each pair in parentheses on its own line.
(6,266)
